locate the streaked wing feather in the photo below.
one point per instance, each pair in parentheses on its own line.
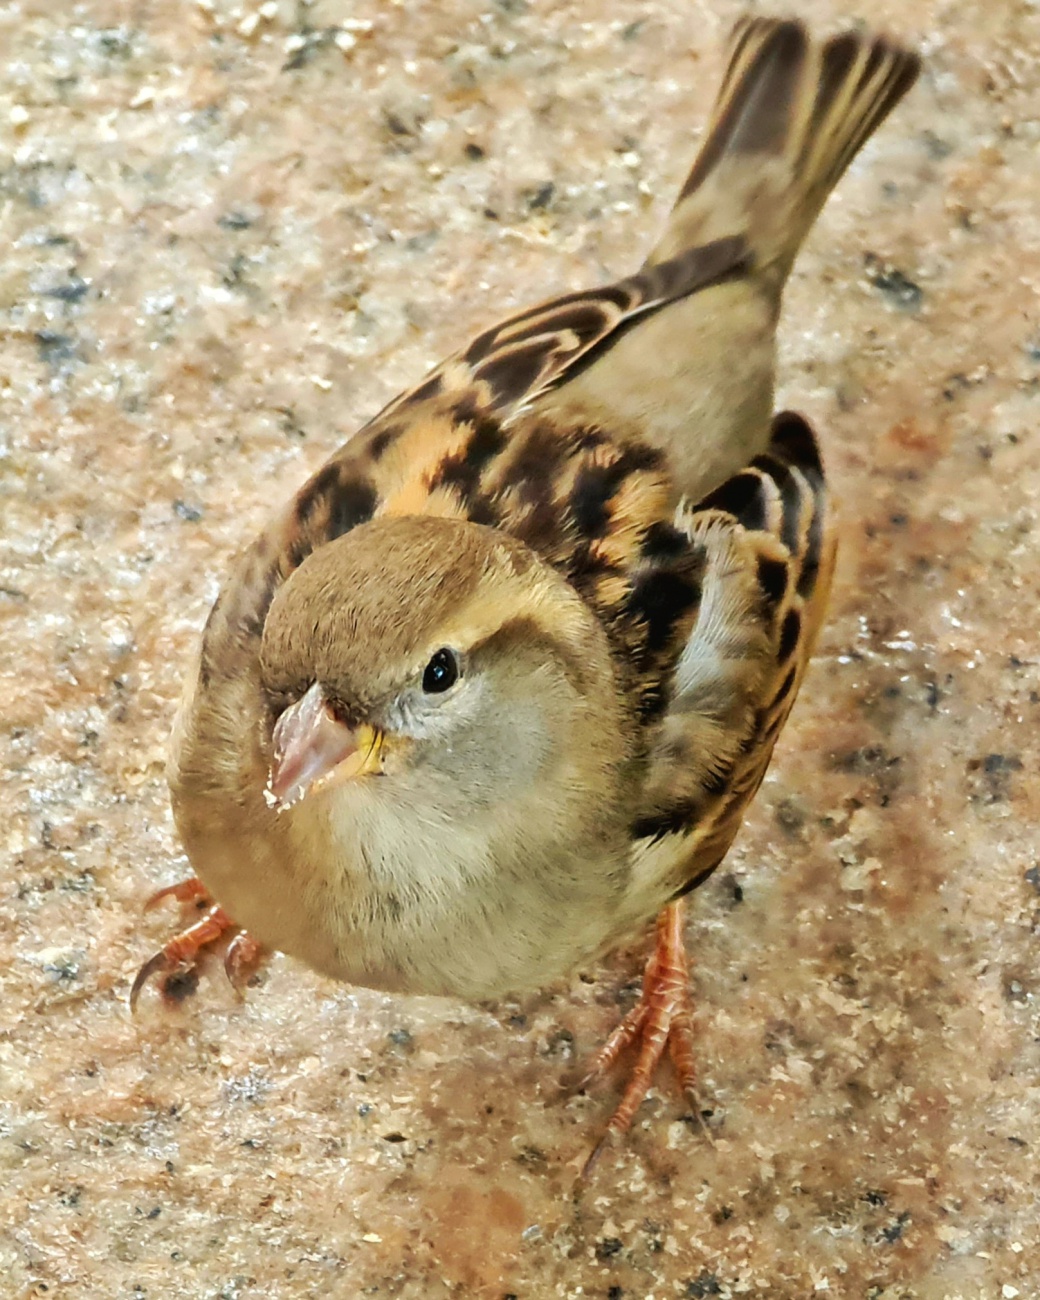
(769,557)
(507,367)
(430,450)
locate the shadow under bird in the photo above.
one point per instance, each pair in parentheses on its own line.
(498,684)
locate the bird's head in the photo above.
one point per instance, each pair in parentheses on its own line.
(439,652)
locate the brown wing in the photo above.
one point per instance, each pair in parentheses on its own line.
(439,449)
(507,367)
(769,557)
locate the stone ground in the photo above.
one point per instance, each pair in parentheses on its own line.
(229,234)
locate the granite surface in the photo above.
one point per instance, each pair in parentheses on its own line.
(231,231)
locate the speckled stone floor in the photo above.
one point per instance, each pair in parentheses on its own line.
(230,231)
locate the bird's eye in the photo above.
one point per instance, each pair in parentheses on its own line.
(441,673)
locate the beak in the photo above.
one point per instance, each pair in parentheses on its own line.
(313,750)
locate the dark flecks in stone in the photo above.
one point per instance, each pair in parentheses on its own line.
(54,349)
(236,276)
(789,817)
(992,776)
(289,422)
(116,43)
(234,221)
(1032,877)
(64,970)
(897,287)
(314,41)
(531,1156)
(608,1247)
(895,1230)
(423,241)
(191,514)
(936,147)
(540,197)
(875,762)
(559,1043)
(955,384)
(474,152)
(72,292)
(395,125)
(1016,990)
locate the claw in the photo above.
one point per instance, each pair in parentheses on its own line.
(191,890)
(242,960)
(180,956)
(661,1019)
(183,949)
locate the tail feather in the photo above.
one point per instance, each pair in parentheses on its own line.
(790,117)
(859,84)
(753,109)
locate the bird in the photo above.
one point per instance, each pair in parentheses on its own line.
(495,688)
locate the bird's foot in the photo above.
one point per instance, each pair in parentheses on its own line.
(177,961)
(661,1019)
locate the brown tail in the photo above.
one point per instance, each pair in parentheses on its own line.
(790,117)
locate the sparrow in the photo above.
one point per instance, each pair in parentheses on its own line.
(497,686)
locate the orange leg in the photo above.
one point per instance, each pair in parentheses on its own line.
(662,1018)
(181,954)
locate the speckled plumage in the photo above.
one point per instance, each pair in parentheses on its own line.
(590,511)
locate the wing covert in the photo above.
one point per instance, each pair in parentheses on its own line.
(768,561)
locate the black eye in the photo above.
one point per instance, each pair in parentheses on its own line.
(441,673)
